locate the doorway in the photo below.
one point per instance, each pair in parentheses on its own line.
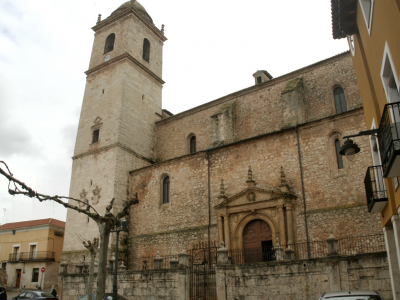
(257,242)
(18,281)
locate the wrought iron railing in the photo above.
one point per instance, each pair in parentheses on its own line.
(375,189)
(361,244)
(252,255)
(389,136)
(315,249)
(32,256)
(147,263)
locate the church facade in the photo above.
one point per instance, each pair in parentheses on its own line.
(252,169)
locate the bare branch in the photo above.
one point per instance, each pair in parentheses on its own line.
(41,197)
(125,211)
(109,207)
(105,224)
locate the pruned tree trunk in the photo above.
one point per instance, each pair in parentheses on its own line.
(91,271)
(92,247)
(105,230)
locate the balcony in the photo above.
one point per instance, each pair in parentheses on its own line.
(31,256)
(389,140)
(375,189)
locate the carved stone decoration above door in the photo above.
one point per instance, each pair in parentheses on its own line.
(262,213)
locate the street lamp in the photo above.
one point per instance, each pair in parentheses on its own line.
(120,226)
(349,149)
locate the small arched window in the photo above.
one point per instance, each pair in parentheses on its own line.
(166,190)
(109,46)
(146,50)
(338,156)
(193,144)
(340,100)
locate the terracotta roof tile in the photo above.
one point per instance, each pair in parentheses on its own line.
(33,223)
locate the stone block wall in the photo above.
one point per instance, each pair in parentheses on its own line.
(262,108)
(331,194)
(171,284)
(304,279)
(297,280)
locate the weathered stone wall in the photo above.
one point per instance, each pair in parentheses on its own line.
(296,279)
(169,284)
(331,194)
(345,220)
(123,100)
(304,279)
(259,109)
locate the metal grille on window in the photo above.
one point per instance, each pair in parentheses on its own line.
(166,190)
(340,100)
(193,144)
(338,156)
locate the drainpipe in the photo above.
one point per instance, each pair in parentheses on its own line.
(209,208)
(302,188)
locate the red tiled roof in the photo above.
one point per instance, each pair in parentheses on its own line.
(33,223)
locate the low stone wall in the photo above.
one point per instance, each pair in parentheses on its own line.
(171,284)
(304,279)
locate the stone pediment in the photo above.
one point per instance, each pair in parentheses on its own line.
(269,207)
(252,195)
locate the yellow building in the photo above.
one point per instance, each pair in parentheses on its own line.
(29,248)
(373,32)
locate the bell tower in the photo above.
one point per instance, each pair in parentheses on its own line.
(116,133)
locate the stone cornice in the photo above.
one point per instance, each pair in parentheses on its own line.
(251,89)
(115,145)
(125,13)
(128,57)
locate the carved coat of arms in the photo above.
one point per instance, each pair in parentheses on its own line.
(96,195)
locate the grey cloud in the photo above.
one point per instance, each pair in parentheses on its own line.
(69,136)
(15,140)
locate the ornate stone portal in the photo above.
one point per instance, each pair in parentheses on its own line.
(255,217)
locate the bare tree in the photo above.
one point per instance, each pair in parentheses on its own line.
(92,247)
(105,222)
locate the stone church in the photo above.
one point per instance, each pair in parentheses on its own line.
(254,168)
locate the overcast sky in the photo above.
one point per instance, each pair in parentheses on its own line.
(213,49)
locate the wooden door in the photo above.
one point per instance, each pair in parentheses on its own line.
(17,284)
(254,234)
